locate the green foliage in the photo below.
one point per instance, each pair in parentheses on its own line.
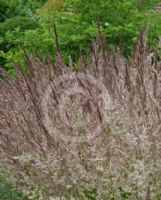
(13,8)
(53,5)
(17,17)
(8,191)
(23,23)
(73,36)
(124,194)
(120,21)
(4,7)
(77,24)
(40,39)
(12,36)
(91,195)
(154,29)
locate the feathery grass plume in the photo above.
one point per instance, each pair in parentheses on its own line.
(94,133)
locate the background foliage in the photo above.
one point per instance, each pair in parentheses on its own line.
(29,25)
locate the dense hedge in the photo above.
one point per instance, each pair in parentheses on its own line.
(77,22)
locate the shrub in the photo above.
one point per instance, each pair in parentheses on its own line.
(11,34)
(23,23)
(3,10)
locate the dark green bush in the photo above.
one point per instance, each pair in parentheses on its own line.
(12,8)
(77,21)
(23,23)
(4,8)
(10,26)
